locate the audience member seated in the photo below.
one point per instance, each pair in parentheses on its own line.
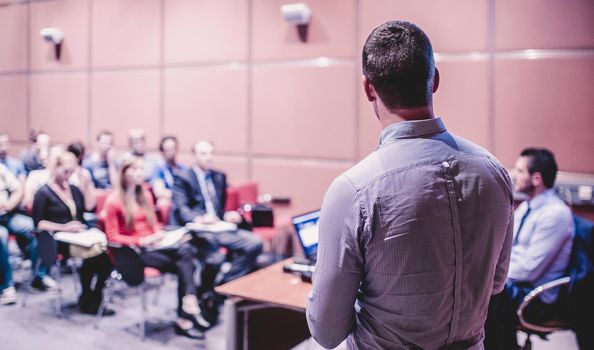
(130,220)
(101,164)
(20,225)
(39,177)
(163,178)
(199,195)
(137,144)
(7,291)
(59,206)
(81,177)
(543,232)
(15,165)
(34,156)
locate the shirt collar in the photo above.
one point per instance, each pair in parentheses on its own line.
(202,173)
(198,171)
(541,198)
(411,129)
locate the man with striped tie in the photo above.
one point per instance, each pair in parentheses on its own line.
(543,233)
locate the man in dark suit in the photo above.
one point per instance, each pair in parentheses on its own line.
(199,195)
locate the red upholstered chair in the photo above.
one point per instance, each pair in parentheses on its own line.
(242,197)
(100,197)
(163,208)
(247,192)
(232,199)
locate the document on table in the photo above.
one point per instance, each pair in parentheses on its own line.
(84,239)
(220,226)
(171,239)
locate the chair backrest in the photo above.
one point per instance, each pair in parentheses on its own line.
(129,264)
(100,197)
(575,304)
(232,202)
(47,248)
(582,253)
(581,271)
(247,192)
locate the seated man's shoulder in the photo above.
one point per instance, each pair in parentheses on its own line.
(89,162)
(15,163)
(219,173)
(184,173)
(559,208)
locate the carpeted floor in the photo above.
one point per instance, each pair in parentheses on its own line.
(37,325)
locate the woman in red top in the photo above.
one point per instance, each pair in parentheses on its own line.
(130,220)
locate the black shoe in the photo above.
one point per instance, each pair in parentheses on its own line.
(93,311)
(210,303)
(90,308)
(38,284)
(198,321)
(191,333)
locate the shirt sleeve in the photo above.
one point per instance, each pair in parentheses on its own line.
(40,204)
(502,267)
(158,174)
(181,200)
(11,182)
(548,237)
(112,225)
(338,273)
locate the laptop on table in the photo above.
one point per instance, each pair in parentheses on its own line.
(306,227)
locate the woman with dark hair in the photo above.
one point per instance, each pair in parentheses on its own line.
(130,220)
(58,206)
(81,177)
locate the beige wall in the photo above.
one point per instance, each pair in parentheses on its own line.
(286,113)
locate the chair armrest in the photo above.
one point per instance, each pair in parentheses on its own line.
(535,293)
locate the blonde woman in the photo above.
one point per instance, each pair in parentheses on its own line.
(130,220)
(59,206)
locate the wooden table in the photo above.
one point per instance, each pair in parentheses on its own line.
(285,297)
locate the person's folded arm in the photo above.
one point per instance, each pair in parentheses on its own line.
(331,304)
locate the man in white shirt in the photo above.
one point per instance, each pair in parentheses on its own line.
(200,196)
(543,235)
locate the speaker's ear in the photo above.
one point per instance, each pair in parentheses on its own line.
(369,90)
(436,80)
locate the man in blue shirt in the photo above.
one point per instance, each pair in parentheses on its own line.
(542,241)
(34,157)
(164,174)
(101,164)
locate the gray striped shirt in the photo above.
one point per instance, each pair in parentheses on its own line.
(413,242)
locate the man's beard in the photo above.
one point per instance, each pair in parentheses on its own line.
(528,190)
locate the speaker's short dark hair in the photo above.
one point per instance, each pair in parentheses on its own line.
(398,61)
(165,138)
(541,160)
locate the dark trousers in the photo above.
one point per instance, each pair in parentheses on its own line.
(179,261)
(21,226)
(99,266)
(242,245)
(502,320)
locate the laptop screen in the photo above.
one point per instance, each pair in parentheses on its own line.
(306,226)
